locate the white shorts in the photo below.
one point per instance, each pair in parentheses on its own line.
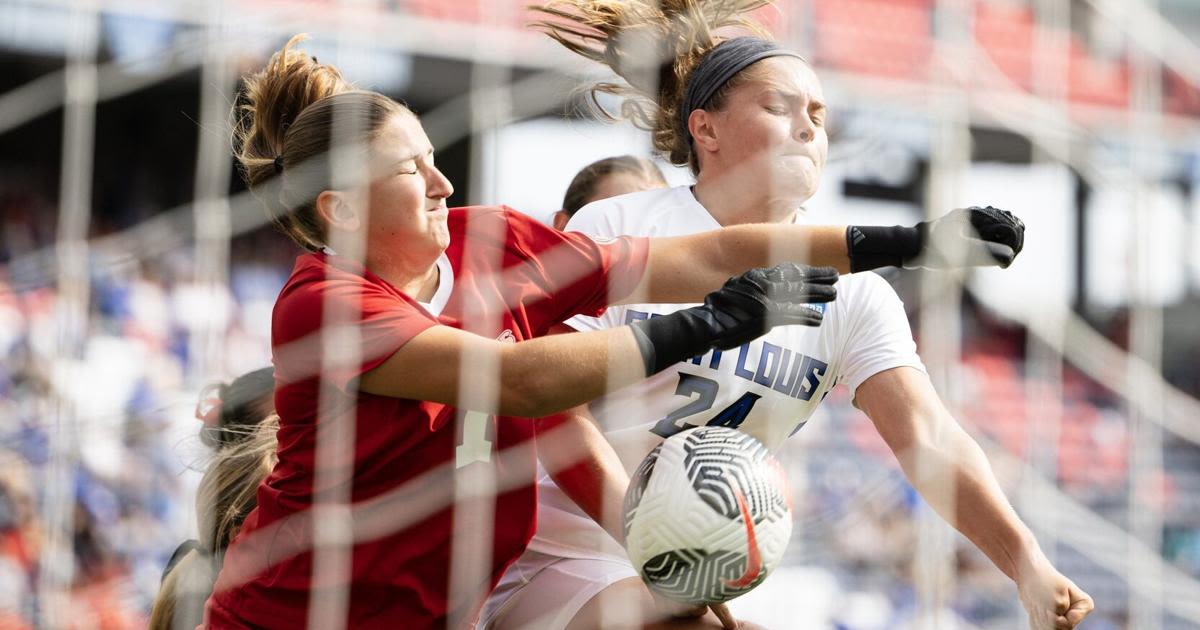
(546,592)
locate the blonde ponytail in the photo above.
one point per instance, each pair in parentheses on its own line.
(228,491)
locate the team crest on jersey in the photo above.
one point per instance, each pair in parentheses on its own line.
(507,336)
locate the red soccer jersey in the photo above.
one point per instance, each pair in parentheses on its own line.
(513,278)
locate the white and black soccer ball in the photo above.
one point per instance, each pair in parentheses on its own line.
(707,515)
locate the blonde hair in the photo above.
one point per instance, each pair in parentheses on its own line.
(284,125)
(181,597)
(229,487)
(654,45)
(227,494)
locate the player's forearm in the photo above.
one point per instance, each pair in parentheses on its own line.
(945,465)
(537,377)
(584,466)
(685,268)
(549,374)
(955,478)
(766,244)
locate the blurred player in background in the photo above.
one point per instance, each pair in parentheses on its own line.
(748,117)
(606,178)
(239,424)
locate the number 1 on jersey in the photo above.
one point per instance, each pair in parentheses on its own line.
(475,446)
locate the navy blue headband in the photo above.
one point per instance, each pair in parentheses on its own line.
(718,67)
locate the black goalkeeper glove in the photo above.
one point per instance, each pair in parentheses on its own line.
(743,310)
(968,237)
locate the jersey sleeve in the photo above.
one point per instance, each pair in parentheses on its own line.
(878,337)
(580,274)
(590,220)
(383,322)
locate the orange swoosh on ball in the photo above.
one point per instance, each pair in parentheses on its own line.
(753,559)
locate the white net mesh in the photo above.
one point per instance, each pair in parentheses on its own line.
(1074,369)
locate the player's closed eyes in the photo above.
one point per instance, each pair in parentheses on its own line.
(817,115)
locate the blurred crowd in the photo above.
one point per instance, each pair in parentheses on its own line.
(130,434)
(120,408)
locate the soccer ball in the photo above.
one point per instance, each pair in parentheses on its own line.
(707,516)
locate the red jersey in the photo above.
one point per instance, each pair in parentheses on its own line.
(512,278)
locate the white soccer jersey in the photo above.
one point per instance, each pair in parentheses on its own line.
(767,388)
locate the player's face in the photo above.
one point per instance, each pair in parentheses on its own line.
(407,194)
(772,131)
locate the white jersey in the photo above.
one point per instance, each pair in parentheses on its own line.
(767,388)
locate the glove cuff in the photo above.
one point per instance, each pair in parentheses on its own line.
(874,246)
(668,339)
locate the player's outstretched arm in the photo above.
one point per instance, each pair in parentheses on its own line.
(546,375)
(952,473)
(576,455)
(684,268)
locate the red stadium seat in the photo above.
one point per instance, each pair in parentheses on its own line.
(887,38)
(1006,35)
